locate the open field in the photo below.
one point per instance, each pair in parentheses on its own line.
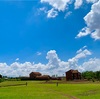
(49,90)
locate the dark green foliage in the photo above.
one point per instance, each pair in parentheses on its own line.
(97,74)
(1,80)
(90,75)
(0,76)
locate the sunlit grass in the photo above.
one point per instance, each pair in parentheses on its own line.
(43,90)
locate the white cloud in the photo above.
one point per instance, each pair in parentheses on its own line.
(91,1)
(67,14)
(59,5)
(17,59)
(42,9)
(62,5)
(92,64)
(84,32)
(82,53)
(54,66)
(92,20)
(80,50)
(39,53)
(53,60)
(78,3)
(52,13)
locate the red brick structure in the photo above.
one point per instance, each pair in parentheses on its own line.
(73,74)
(44,77)
(33,75)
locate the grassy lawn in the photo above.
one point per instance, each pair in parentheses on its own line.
(42,90)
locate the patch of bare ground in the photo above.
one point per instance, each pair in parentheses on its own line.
(70,82)
(64,94)
(68,96)
(90,92)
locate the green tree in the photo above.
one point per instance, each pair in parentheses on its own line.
(0,76)
(88,75)
(97,75)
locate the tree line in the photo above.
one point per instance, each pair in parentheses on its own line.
(90,75)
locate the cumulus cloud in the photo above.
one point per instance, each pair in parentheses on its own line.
(39,53)
(54,63)
(91,1)
(82,53)
(84,32)
(20,69)
(92,64)
(60,5)
(92,20)
(81,49)
(54,66)
(17,59)
(57,6)
(78,3)
(52,13)
(42,9)
(67,14)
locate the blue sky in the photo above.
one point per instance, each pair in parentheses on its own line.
(49,36)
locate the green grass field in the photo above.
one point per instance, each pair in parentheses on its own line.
(43,90)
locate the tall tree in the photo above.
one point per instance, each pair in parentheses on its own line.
(97,73)
(0,76)
(88,75)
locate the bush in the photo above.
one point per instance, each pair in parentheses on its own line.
(1,80)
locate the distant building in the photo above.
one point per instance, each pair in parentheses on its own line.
(44,77)
(33,75)
(38,76)
(73,74)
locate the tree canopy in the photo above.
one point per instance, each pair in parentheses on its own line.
(91,75)
(0,76)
